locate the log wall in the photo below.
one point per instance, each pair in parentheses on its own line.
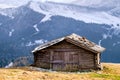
(42,59)
(65,56)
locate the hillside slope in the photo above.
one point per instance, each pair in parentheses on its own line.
(25,25)
(110,72)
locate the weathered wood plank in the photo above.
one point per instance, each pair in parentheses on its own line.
(66,56)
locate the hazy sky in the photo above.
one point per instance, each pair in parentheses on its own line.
(19,2)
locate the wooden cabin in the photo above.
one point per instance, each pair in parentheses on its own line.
(70,53)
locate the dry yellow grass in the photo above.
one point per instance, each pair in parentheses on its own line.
(110,72)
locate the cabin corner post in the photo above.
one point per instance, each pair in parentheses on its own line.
(98,58)
(98,61)
(34,58)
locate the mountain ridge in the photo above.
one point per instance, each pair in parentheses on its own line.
(24,29)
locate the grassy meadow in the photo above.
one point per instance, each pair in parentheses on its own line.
(110,71)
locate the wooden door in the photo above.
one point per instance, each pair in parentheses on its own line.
(58,60)
(65,60)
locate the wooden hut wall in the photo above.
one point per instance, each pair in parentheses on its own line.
(66,56)
(42,59)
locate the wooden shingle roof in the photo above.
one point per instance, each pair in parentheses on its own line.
(76,40)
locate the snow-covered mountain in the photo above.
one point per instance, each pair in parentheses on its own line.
(86,14)
(27,25)
(98,3)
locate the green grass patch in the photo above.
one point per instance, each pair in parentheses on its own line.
(108,70)
(106,76)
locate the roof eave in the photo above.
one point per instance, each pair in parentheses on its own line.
(48,44)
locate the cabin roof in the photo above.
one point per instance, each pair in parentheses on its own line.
(76,40)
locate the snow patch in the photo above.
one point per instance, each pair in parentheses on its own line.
(46,18)
(6,14)
(9,65)
(105,36)
(36,28)
(114,44)
(110,32)
(29,44)
(11,32)
(9,12)
(2,13)
(40,41)
(108,35)
(36,42)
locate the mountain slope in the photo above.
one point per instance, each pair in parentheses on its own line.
(25,27)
